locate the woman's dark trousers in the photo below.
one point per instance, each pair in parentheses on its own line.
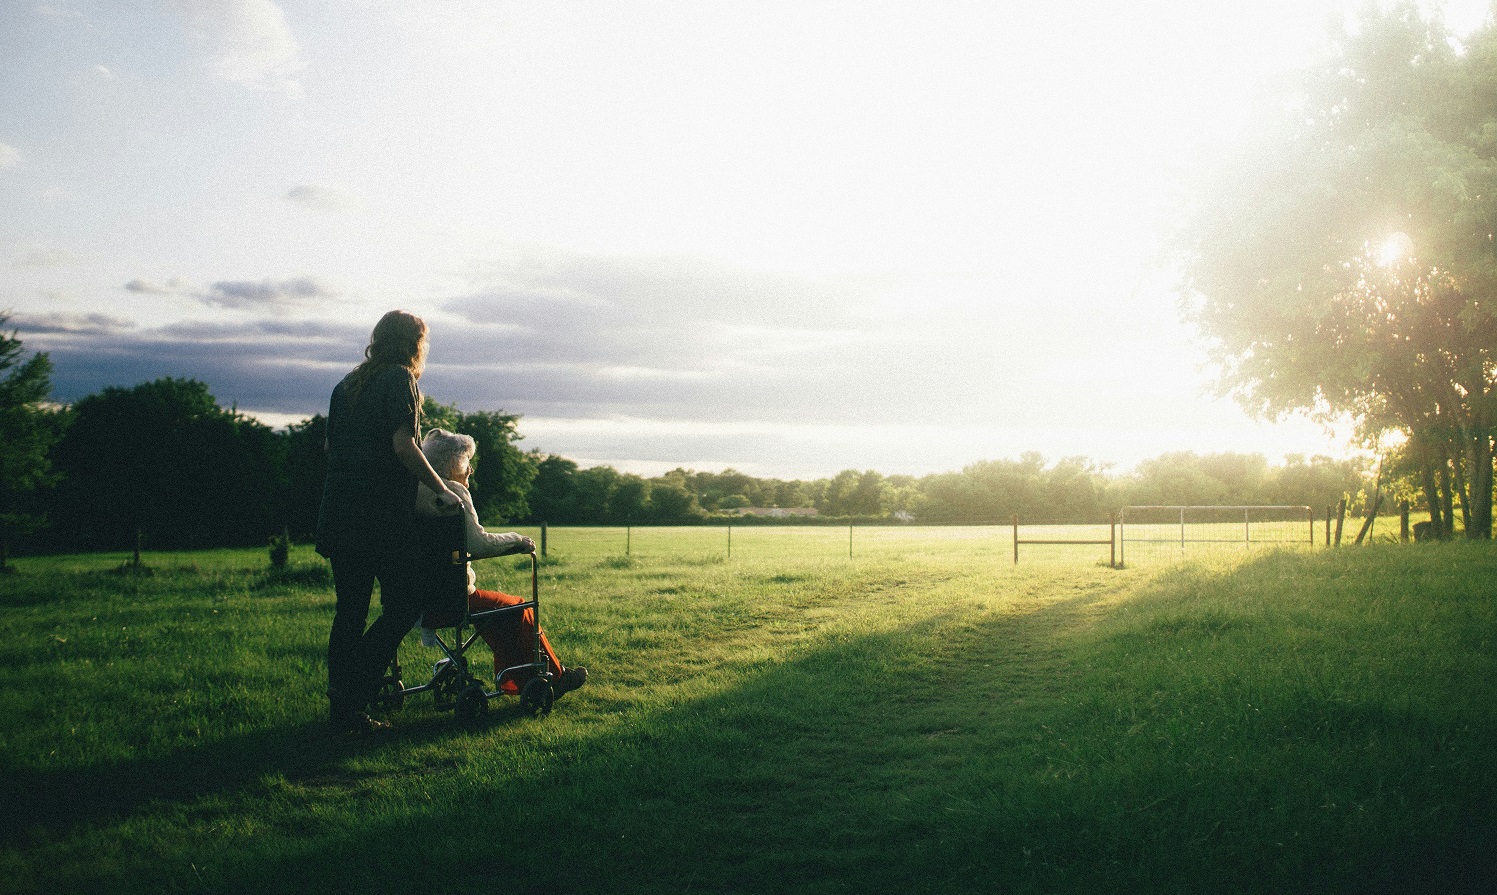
(356,658)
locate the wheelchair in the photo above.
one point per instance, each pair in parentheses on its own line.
(442,570)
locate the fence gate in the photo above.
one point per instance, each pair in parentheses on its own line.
(1176,530)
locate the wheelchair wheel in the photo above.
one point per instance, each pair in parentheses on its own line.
(536,696)
(471,703)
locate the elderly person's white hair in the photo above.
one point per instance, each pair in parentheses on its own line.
(447,451)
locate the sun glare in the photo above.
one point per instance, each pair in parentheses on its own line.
(1396,249)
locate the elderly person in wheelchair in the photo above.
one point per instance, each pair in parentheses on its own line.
(511,635)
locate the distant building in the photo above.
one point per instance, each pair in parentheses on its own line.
(777,512)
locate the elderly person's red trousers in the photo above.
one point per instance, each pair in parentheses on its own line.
(511,636)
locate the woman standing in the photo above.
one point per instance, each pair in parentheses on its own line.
(364,527)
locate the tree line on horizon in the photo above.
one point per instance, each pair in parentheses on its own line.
(162,465)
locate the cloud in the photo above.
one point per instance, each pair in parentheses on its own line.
(697,341)
(69,324)
(247,42)
(10,156)
(662,313)
(323,197)
(147,287)
(273,366)
(44,257)
(266,294)
(277,296)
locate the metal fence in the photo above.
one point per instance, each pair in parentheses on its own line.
(1174,531)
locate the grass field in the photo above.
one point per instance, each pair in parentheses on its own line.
(923,716)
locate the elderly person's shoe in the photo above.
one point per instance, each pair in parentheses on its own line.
(570,680)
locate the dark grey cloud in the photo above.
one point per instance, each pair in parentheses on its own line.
(149,287)
(265,294)
(274,366)
(31,325)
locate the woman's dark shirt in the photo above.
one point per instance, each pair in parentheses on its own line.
(368,500)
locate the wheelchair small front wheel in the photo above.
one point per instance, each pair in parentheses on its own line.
(537,696)
(472,704)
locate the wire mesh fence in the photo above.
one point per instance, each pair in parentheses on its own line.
(1151,533)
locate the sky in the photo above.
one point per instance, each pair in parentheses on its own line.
(789,238)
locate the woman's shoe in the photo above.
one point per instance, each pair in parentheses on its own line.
(357,724)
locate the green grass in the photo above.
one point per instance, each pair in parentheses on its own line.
(923,717)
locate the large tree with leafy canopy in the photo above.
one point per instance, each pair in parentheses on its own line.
(1341,258)
(28,430)
(163,462)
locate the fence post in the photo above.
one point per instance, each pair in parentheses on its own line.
(1016,540)
(849,540)
(1403,522)
(1328,511)
(730,540)
(1340,519)
(628,537)
(1112,539)
(543,540)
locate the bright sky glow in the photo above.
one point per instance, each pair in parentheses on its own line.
(1396,249)
(789,237)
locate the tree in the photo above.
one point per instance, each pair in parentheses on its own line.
(305,455)
(631,497)
(672,500)
(988,491)
(164,460)
(436,415)
(1341,261)
(790,495)
(553,492)
(1321,482)
(502,473)
(596,486)
(836,498)
(872,495)
(27,433)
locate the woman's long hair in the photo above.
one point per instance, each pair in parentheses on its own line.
(399,340)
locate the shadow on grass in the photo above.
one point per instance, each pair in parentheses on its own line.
(49,804)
